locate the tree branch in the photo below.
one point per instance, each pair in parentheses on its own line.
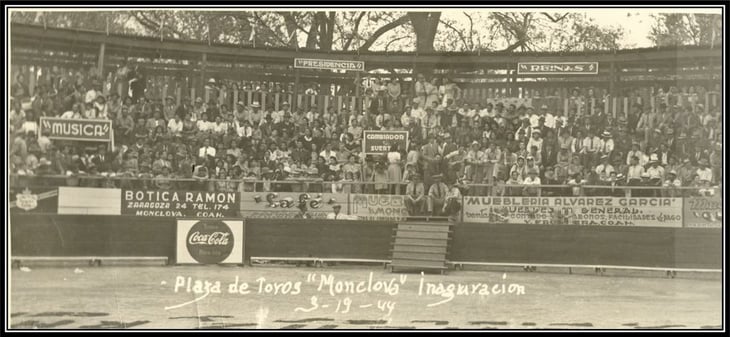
(555,19)
(354,31)
(272,32)
(458,32)
(394,40)
(382,30)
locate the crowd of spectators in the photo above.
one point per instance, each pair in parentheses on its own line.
(455,147)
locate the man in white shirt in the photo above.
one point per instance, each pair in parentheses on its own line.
(704,171)
(591,146)
(328,152)
(336,215)
(203,124)
(30,125)
(549,118)
(206,150)
(655,171)
(534,118)
(671,184)
(530,184)
(467,111)
(607,144)
(635,152)
(175,126)
(243,128)
(416,111)
(604,169)
(635,170)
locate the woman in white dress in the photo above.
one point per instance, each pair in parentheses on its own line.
(395,173)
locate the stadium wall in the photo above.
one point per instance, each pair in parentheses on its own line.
(94,235)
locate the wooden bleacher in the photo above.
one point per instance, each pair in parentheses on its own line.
(421,246)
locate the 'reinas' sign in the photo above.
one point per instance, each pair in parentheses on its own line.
(94,130)
(557,68)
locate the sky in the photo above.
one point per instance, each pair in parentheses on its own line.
(636,27)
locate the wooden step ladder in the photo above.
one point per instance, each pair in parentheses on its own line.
(420,246)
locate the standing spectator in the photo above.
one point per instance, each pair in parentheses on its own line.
(432,92)
(380,177)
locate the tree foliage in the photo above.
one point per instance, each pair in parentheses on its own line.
(356,30)
(677,29)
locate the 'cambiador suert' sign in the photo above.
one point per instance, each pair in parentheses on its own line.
(181,204)
(379,142)
(94,130)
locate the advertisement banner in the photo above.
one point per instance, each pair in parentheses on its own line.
(379,142)
(94,130)
(378,207)
(557,68)
(329,64)
(582,211)
(703,212)
(209,241)
(286,205)
(181,204)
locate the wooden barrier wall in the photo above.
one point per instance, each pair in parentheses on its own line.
(67,235)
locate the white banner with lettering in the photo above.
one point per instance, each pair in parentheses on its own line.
(583,211)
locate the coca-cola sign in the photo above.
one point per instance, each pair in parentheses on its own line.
(210,242)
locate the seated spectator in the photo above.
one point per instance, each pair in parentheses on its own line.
(550,179)
(704,171)
(576,184)
(415,195)
(452,201)
(530,182)
(437,196)
(671,185)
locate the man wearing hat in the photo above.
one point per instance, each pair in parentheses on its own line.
(704,171)
(605,168)
(607,144)
(336,215)
(535,140)
(415,195)
(437,195)
(671,183)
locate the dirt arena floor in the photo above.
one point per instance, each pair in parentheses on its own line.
(357,297)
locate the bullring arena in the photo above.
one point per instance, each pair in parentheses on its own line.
(164,183)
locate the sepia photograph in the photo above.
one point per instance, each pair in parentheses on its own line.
(443,168)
